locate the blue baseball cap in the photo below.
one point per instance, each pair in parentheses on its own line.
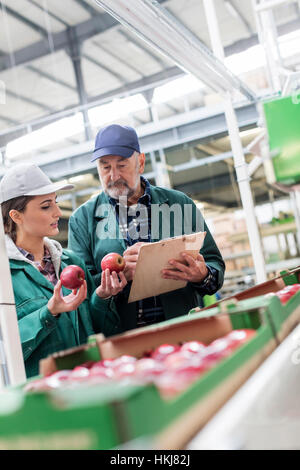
(116,140)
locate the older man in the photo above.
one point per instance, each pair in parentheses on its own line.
(130,211)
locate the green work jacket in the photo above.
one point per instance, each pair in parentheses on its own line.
(43,334)
(94,232)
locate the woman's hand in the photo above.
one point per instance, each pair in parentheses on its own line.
(59,304)
(111,284)
(195,270)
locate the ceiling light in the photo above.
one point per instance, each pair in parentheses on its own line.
(176,88)
(116,109)
(47,135)
(155,25)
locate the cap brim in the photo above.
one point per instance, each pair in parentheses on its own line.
(125,152)
(50,188)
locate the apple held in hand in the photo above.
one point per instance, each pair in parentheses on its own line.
(72,277)
(113,262)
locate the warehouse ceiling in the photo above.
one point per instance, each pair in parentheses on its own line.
(58,58)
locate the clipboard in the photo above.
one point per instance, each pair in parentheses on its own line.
(153,257)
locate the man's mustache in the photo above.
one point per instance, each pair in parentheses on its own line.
(112,184)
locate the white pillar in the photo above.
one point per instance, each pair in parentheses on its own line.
(238,153)
(162,173)
(11,356)
(295,199)
(267,34)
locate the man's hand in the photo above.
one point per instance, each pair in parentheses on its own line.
(111,284)
(59,304)
(131,256)
(195,270)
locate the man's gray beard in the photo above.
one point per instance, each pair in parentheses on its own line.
(120,192)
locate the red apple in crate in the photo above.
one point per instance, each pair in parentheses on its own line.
(80,373)
(177,359)
(195,347)
(113,262)
(100,371)
(124,359)
(283,296)
(171,383)
(218,349)
(148,367)
(58,378)
(294,288)
(36,385)
(162,351)
(105,363)
(124,369)
(72,277)
(237,337)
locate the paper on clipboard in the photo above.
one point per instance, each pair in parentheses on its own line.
(153,257)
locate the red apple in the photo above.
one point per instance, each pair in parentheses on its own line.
(194,347)
(113,262)
(57,378)
(237,337)
(80,373)
(147,367)
(124,369)
(162,351)
(72,277)
(177,359)
(105,363)
(100,371)
(124,359)
(283,296)
(218,349)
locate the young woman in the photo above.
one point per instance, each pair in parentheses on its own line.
(50,317)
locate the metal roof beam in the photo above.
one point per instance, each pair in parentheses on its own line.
(103,67)
(138,86)
(25,20)
(104,22)
(236,12)
(50,77)
(194,126)
(91,10)
(9,121)
(119,59)
(75,54)
(138,44)
(52,15)
(29,100)
(39,49)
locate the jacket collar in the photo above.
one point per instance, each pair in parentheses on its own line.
(14,254)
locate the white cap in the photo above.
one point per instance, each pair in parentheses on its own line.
(27,179)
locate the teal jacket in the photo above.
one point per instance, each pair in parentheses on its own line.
(41,333)
(94,232)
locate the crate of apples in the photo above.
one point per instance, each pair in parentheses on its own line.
(171,367)
(286,293)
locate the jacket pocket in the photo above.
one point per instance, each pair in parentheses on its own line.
(30,305)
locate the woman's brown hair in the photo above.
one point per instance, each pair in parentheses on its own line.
(18,204)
